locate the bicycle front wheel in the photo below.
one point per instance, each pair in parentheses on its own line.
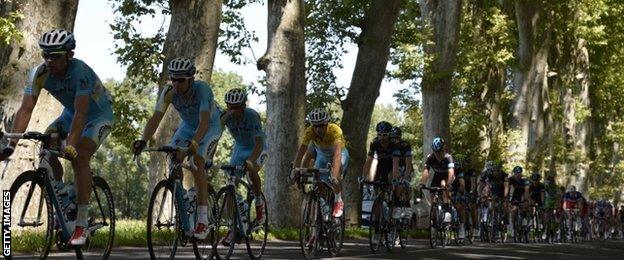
(434,223)
(309,226)
(259,228)
(163,230)
(101,221)
(375,232)
(226,233)
(32,213)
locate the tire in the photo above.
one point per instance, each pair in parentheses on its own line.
(163,228)
(101,221)
(256,240)
(375,232)
(226,221)
(30,185)
(309,226)
(203,248)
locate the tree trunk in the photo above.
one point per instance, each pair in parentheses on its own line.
(370,67)
(16,60)
(284,64)
(530,82)
(443,17)
(193,33)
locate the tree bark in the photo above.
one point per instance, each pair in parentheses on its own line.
(16,60)
(193,33)
(443,17)
(370,67)
(530,85)
(284,64)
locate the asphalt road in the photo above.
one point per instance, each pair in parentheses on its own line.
(417,249)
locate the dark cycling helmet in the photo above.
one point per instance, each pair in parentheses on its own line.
(458,164)
(438,144)
(396,132)
(517,170)
(383,127)
(57,40)
(536,176)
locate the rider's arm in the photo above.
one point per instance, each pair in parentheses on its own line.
(451,176)
(425,176)
(462,184)
(366,169)
(300,153)
(152,125)
(395,167)
(203,127)
(81,107)
(337,161)
(22,117)
(506,185)
(408,166)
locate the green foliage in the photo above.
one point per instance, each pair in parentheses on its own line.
(8,29)
(233,33)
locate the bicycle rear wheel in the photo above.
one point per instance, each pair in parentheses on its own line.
(163,228)
(32,213)
(101,221)
(309,226)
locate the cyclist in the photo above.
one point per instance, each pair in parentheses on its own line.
(519,188)
(536,194)
(460,189)
(443,166)
(382,149)
(249,144)
(493,182)
(570,200)
(326,140)
(402,162)
(87,115)
(199,130)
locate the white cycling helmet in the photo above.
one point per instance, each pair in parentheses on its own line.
(57,40)
(318,116)
(236,96)
(181,67)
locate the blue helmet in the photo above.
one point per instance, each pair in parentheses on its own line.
(517,170)
(438,144)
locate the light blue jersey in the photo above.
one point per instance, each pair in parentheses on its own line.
(199,98)
(80,80)
(245,129)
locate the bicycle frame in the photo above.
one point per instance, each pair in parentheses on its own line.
(174,177)
(44,171)
(231,183)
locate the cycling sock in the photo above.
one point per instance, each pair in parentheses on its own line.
(338,197)
(83,215)
(203,214)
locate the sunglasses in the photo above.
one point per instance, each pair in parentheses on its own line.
(52,55)
(178,80)
(383,134)
(320,126)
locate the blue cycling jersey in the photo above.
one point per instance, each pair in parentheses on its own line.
(197,99)
(79,80)
(246,128)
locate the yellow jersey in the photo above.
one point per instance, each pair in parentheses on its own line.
(332,136)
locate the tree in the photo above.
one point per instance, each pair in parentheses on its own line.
(284,64)
(18,57)
(443,18)
(370,67)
